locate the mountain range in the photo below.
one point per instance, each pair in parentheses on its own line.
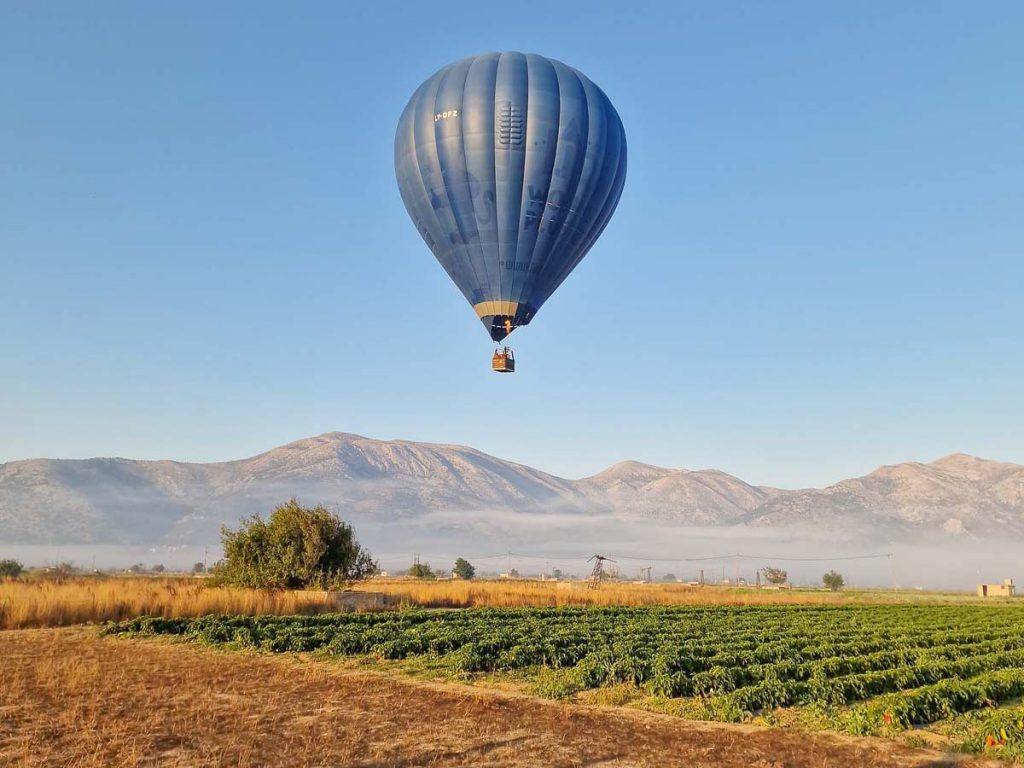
(124,501)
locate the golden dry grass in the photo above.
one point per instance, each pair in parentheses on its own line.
(78,601)
(522,593)
(71,698)
(41,603)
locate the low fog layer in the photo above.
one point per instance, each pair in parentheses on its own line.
(539,544)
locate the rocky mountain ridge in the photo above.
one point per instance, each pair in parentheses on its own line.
(113,500)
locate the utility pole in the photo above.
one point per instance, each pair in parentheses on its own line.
(702,577)
(597,574)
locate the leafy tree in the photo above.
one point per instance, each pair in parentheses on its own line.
(513,574)
(557,574)
(833,581)
(421,571)
(298,547)
(158,568)
(463,569)
(137,568)
(10,569)
(198,568)
(669,577)
(775,575)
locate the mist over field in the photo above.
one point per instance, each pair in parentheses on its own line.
(935,562)
(565,542)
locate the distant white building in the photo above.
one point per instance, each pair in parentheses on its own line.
(1006,589)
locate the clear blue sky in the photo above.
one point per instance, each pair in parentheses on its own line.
(817,265)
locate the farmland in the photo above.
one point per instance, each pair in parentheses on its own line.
(40,602)
(823,669)
(862,669)
(72,698)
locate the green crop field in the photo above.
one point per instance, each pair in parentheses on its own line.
(879,669)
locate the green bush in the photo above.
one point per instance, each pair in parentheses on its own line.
(297,548)
(421,571)
(833,581)
(10,569)
(463,569)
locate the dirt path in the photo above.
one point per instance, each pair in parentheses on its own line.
(70,698)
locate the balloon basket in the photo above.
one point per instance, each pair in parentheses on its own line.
(503,361)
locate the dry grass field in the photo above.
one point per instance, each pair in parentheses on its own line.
(40,603)
(43,603)
(522,593)
(72,698)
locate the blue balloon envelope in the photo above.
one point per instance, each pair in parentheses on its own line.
(510,166)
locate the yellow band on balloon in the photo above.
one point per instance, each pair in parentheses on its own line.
(488,308)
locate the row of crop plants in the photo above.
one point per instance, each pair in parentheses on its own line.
(898,666)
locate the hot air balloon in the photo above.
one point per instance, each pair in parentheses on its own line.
(510,165)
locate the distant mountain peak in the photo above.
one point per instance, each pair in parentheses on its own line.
(629,468)
(959,460)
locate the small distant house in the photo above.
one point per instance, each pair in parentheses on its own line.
(1006,589)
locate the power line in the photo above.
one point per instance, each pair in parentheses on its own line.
(784,559)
